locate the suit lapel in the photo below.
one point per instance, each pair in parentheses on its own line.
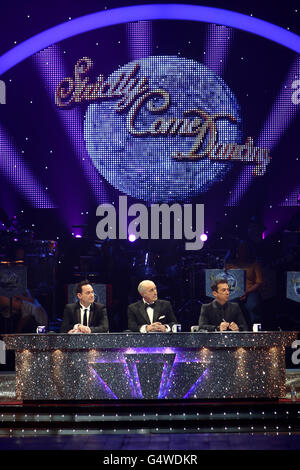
(144,313)
(77,313)
(92,312)
(218,313)
(156,312)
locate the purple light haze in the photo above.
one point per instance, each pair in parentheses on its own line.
(132,238)
(127,357)
(106,387)
(281,115)
(196,384)
(139,36)
(144,13)
(51,63)
(218,43)
(16,172)
(135,380)
(292,197)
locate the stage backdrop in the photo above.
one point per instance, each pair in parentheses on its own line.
(162,111)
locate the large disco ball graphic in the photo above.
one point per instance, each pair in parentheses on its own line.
(142,166)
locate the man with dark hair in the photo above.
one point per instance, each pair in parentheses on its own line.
(221,315)
(84,316)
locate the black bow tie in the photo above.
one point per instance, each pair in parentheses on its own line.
(150,305)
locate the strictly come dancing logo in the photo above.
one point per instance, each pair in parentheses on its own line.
(161,129)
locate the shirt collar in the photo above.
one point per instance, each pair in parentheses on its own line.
(85,308)
(219,305)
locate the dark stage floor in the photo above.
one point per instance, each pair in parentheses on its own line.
(148,441)
(269,425)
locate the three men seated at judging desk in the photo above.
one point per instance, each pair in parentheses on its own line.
(151,314)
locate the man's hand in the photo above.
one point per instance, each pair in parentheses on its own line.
(156,326)
(80,329)
(84,329)
(223,326)
(233,326)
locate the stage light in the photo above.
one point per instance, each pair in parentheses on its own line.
(279,119)
(132,237)
(218,42)
(23,179)
(143,13)
(203,237)
(50,62)
(139,36)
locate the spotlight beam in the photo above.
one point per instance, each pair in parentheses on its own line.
(139,36)
(218,42)
(281,116)
(51,62)
(16,172)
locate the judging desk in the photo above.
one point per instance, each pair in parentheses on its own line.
(112,366)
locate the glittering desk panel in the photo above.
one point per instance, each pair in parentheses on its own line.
(113,366)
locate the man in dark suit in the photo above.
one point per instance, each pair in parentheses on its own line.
(150,314)
(84,316)
(220,314)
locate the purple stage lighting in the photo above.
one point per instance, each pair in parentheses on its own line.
(105,386)
(280,118)
(293,198)
(16,172)
(139,39)
(282,113)
(51,63)
(218,43)
(189,394)
(132,238)
(145,13)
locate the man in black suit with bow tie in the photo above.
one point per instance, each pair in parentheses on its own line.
(221,315)
(84,316)
(150,314)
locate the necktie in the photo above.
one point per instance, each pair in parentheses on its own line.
(150,305)
(85,317)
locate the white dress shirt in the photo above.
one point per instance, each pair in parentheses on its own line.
(82,309)
(150,312)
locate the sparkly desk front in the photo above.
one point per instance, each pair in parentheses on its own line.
(112,366)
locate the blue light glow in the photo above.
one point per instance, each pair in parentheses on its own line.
(147,12)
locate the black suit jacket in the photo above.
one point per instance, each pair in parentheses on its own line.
(98,321)
(138,316)
(212,315)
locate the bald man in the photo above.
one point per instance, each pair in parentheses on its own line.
(150,314)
